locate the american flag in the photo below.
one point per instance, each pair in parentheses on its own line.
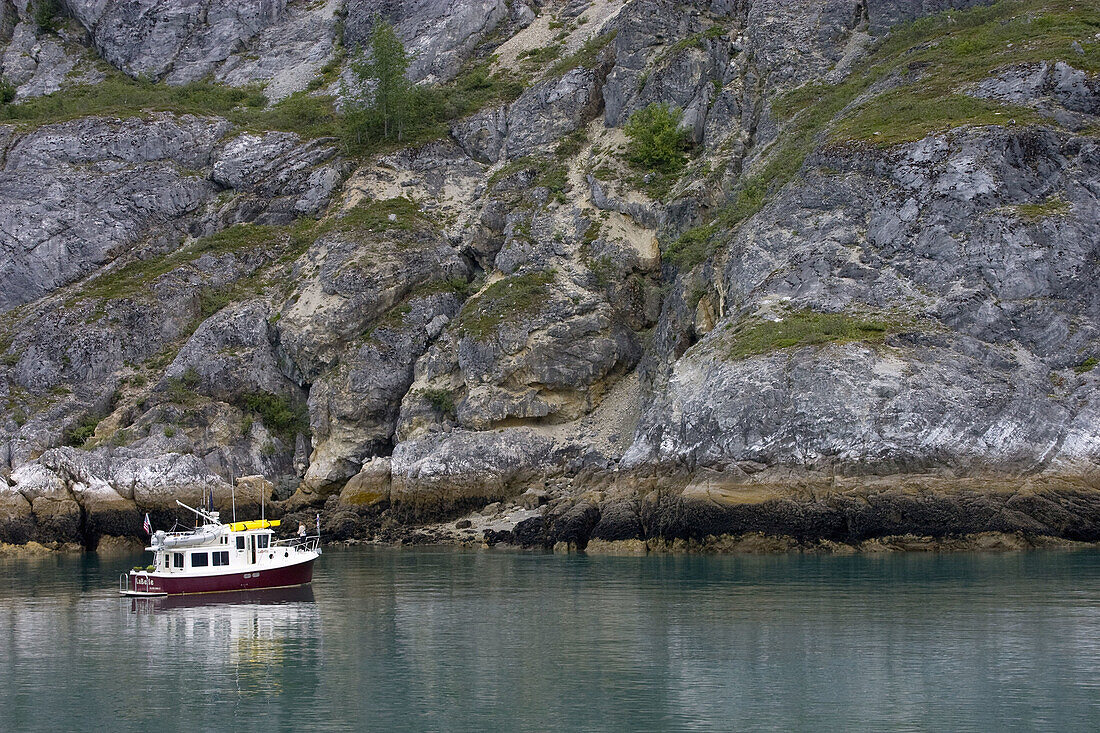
(147,525)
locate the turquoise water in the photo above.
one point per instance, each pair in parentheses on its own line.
(453,640)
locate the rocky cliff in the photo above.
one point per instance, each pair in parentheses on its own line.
(866,307)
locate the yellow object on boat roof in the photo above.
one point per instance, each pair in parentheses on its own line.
(253,524)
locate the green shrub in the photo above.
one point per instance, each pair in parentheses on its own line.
(603,269)
(277,413)
(7,92)
(460,286)
(691,248)
(412,114)
(572,144)
(181,389)
(383,69)
(1087,365)
(77,435)
(441,399)
(46,15)
(656,141)
(213,299)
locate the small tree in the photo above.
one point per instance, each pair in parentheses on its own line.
(383,67)
(7,91)
(45,15)
(656,140)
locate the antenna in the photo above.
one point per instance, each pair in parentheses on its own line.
(233,493)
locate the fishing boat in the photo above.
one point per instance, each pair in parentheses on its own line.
(217,558)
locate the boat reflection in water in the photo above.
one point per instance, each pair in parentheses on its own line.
(265,597)
(252,640)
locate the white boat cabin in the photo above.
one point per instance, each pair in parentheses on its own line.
(215,548)
(229,546)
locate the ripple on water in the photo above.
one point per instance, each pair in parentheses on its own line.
(443,639)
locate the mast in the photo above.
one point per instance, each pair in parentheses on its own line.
(210,519)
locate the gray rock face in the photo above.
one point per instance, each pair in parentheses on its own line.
(9,18)
(284,177)
(550,362)
(438,33)
(751,55)
(354,408)
(464,468)
(348,281)
(550,110)
(35,65)
(285,55)
(902,340)
(232,353)
(482,135)
(178,42)
(1056,89)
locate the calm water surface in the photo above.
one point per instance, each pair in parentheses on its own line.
(442,639)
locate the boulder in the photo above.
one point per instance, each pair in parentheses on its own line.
(369,487)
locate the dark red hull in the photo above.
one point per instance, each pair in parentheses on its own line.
(297,574)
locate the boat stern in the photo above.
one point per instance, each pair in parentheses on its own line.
(139,583)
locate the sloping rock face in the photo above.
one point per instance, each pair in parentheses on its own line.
(78,194)
(842,320)
(885,13)
(130,174)
(988,320)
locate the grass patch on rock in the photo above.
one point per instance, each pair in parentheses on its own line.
(442,400)
(120,96)
(754,336)
(1053,206)
(136,277)
(1087,365)
(383,215)
(585,56)
(506,299)
(309,115)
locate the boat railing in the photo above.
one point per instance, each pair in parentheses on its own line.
(301,544)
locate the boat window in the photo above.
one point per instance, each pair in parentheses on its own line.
(177,559)
(221,558)
(199,559)
(240,543)
(262,540)
(166,560)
